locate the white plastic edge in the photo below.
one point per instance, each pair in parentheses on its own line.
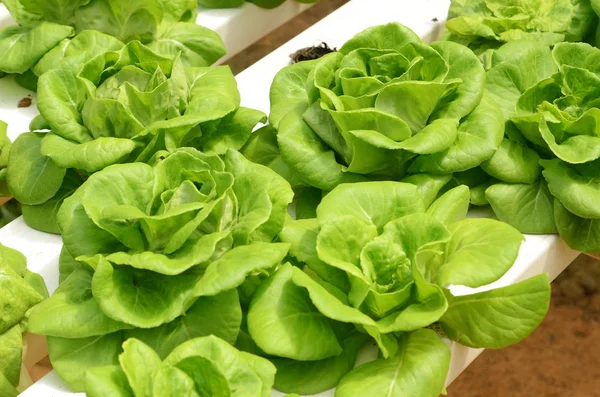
(241,27)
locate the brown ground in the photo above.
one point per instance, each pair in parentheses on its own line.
(562,358)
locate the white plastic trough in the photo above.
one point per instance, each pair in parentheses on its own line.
(241,27)
(539,253)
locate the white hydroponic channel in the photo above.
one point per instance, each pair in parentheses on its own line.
(538,254)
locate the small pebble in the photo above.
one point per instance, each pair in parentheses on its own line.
(24,103)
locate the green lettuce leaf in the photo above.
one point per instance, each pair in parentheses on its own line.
(420,368)
(529,301)
(486,24)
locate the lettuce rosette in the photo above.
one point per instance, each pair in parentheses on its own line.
(122,107)
(384,106)
(206,366)
(377,263)
(488,24)
(544,177)
(20,289)
(158,252)
(44,38)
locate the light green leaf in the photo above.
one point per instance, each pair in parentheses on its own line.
(579,233)
(479,136)
(437,136)
(279,192)
(340,242)
(37,283)
(232,268)
(196,251)
(478,197)
(119,120)
(132,20)
(580,55)
(452,206)
(43,216)
(415,231)
(107,381)
(172,381)
(419,369)
(21,47)
(147,107)
(428,185)
(179,10)
(71,358)
(288,91)
(58,11)
(308,156)
(374,203)
(513,163)
(519,65)
(5,147)
(262,148)
(139,297)
(283,321)
(498,318)
(14,259)
(302,237)
(140,364)
(231,132)
(218,315)
(198,46)
(528,208)
(17,296)
(246,374)
(80,234)
(67,265)
(307,377)
(61,97)
(479,252)
(464,65)
(427,307)
(72,311)
(20,14)
(412,101)
(576,149)
(72,54)
(575,186)
(331,303)
(89,156)
(32,177)
(11,351)
(212,89)
(391,36)
(126,194)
